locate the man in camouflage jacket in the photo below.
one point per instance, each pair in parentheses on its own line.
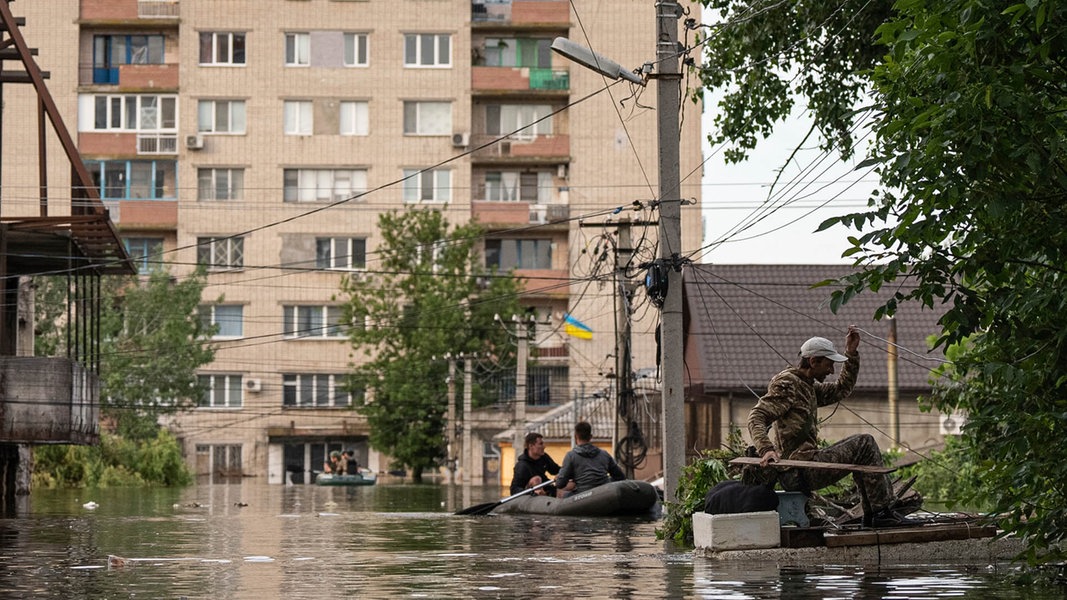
(792,404)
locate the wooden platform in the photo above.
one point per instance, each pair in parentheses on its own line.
(814,465)
(937,532)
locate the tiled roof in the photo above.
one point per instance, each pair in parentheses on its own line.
(744,323)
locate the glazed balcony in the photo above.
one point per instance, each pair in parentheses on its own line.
(521,13)
(522,149)
(129,10)
(505,80)
(47,401)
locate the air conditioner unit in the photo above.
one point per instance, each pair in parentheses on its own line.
(194,142)
(253,385)
(562,171)
(461,140)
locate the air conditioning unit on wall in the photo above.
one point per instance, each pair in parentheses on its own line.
(253,385)
(461,140)
(194,142)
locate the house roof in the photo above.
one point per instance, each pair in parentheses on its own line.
(745,323)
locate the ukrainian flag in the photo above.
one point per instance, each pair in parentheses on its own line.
(576,328)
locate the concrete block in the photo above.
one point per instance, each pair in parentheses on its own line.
(741,531)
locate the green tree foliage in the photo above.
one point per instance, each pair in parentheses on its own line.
(115,462)
(429,296)
(969,105)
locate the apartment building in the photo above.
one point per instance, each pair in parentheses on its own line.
(262,139)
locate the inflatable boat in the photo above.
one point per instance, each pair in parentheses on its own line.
(366,478)
(617,498)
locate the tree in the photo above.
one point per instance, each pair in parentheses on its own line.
(969,101)
(430,296)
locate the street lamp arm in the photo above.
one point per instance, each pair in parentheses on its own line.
(587,58)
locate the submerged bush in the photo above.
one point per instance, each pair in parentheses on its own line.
(114,462)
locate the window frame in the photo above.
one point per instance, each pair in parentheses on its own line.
(414,184)
(413,110)
(128,112)
(493,256)
(232,247)
(414,54)
(231,116)
(360,44)
(336,262)
(209,384)
(361,128)
(294,192)
(149,247)
(302,391)
(327,325)
(231,49)
(210,317)
(295,113)
(127,178)
(234,186)
(297,49)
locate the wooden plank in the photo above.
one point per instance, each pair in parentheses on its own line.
(818,466)
(905,535)
(803,537)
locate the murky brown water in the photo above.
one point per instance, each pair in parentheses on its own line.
(261,542)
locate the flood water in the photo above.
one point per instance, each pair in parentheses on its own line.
(255,541)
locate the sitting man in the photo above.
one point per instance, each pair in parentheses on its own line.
(533,466)
(586,466)
(792,403)
(351,464)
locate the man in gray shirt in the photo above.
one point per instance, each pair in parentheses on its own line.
(586,466)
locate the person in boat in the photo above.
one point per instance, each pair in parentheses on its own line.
(792,404)
(351,464)
(334,466)
(586,466)
(533,466)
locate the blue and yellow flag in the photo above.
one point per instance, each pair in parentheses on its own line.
(576,328)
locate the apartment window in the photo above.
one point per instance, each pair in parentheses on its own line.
(427,185)
(521,121)
(220,252)
(224,48)
(512,52)
(145,252)
(312,322)
(314,391)
(220,184)
(427,50)
(427,118)
(297,49)
(221,116)
(229,318)
(357,53)
(221,461)
(129,112)
(111,51)
(510,186)
(518,254)
(134,179)
(221,391)
(354,118)
(323,185)
(297,117)
(341,253)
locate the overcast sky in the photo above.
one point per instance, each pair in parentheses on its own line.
(735,195)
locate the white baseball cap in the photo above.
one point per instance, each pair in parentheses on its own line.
(820,346)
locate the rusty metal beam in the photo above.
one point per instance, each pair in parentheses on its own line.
(9,53)
(21,76)
(42,156)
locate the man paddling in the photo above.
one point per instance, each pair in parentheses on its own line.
(586,466)
(533,466)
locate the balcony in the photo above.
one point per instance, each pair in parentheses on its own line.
(157,144)
(143,215)
(129,10)
(136,77)
(521,149)
(118,144)
(47,401)
(519,79)
(521,13)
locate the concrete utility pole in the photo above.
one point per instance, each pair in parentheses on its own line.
(623,348)
(451,422)
(468,452)
(522,331)
(668,103)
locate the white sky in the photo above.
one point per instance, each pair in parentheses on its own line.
(733,195)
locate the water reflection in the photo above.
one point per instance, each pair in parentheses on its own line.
(258,542)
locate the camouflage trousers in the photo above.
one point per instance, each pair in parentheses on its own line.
(859,449)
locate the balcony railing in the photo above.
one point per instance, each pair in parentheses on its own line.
(549,79)
(158,9)
(541,214)
(158,143)
(544,12)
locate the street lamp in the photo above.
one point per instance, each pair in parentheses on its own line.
(668,101)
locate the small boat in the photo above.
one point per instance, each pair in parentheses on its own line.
(628,497)
(361,478)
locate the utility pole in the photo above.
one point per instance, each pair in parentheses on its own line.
(623,348)
(522,331)
(668,103)
(891,379)
(451,423)
(468,454)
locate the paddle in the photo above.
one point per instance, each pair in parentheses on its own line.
(484,509)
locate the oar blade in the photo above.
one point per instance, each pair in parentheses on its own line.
(479,509)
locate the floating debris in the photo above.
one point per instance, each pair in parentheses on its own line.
(90,505)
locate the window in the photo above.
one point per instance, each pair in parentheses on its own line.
(505,186)
(427,118)
(221,391)
(523,121)
(427,50)
(221,461)
(354,118)
(511,52)
(229,319)
(134,179)
(221,116)
(312,322)
(427,185)
(323,185)
(222,48)
(220,184)
(518,254)
(145,252)
(341,253)
(297,117)
(297,49)
(356,50)
(317,390)
(220,252)
(110,51)
(130,112)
